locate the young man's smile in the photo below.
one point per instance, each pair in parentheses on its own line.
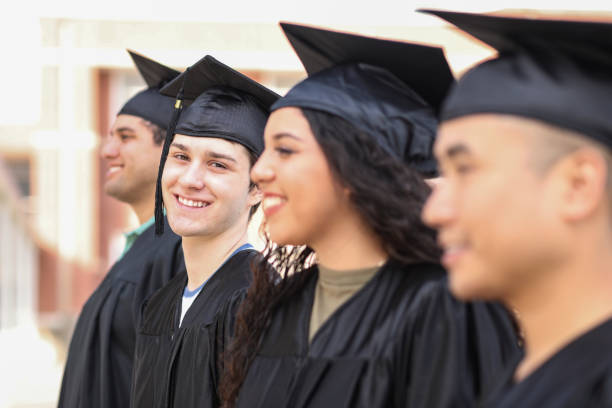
(191,203)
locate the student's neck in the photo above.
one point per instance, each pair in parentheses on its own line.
(205,254)
(566,304)
(144,210)
(348,245)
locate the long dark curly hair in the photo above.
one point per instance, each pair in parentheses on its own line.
(387,193)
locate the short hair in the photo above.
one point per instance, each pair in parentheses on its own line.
(553,143)
(158,133)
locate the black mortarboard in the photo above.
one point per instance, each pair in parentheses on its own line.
(388,89)
(221,103)
(150,104)
(556,71)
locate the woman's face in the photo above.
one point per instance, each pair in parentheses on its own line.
(301,199)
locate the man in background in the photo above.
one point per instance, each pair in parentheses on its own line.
(99,365)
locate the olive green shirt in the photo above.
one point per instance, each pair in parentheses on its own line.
(333,289)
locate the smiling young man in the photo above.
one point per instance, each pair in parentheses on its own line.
(525,210)
(209,198)
(100,358)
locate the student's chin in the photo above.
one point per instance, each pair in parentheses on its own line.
(466,289)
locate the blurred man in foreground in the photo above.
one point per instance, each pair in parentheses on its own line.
(525,211)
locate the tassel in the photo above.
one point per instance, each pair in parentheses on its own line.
(159,201)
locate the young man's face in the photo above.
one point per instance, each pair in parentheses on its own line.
(496,215)
(205,186)
(132,158)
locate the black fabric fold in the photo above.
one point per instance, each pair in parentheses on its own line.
(100,357)
(578,375)
(178,367)
(401,341)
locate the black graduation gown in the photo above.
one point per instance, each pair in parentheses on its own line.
(401,341)
(177,367)
(578,376)
(99,365)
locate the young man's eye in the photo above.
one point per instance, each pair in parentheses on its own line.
(218,165)
(463,168)
(180,156)
(124,137)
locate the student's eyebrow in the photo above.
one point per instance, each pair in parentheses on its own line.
(285,134)
(122,129)
(180,146)
(455,150)
(217,155)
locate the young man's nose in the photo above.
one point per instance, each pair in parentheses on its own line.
(438,209)
(193,177)
(110,148)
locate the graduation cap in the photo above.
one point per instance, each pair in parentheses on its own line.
(389,89)
(556,71)
(221,103)
(149,104)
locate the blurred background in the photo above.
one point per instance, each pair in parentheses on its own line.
(65,74)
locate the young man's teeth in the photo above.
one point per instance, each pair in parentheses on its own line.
(191,203)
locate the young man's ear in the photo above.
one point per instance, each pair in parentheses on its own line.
(255,195)
(584,175)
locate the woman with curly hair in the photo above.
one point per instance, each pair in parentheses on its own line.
(349,306)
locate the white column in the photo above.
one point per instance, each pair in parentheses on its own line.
(5,266)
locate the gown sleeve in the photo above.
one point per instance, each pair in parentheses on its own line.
(168,262)
(223,332)
(451,351)
(601,394)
